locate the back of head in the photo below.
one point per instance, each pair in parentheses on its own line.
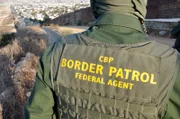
(135,8)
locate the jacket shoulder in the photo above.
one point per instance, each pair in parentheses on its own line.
(162,50)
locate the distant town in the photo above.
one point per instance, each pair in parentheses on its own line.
(40,12)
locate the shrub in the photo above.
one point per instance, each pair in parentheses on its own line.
(9,93)
(33,44)
(6,39)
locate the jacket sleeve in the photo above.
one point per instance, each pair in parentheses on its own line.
(41,102)
(175,31)
(173,107)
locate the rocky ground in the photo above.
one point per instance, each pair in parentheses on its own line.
(19,64)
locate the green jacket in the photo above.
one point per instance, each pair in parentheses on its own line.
(108,29)
(175,32)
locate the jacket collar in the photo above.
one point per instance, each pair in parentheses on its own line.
(119,20)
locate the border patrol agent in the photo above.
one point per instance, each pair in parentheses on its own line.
(110,71)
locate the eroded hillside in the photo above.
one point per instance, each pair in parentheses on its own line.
(18,67)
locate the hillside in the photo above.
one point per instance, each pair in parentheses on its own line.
(18,67)
(19,64)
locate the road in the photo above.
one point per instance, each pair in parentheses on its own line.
(4,11)
(6,20)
